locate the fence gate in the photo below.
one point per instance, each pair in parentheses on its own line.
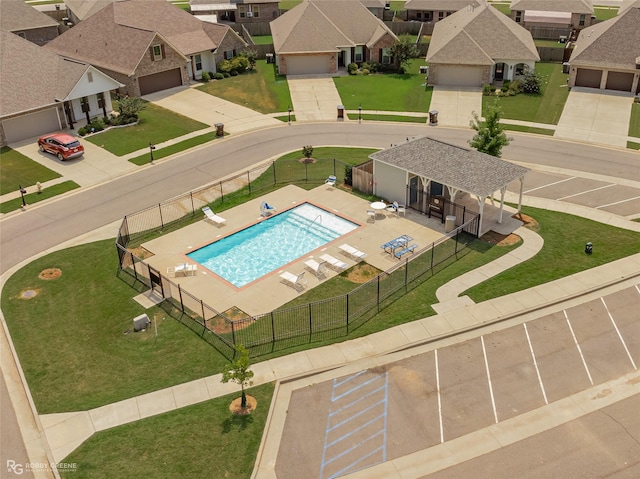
(156,281)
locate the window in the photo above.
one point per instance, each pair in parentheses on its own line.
(228,55)
(518,16)
(386,56)
(156,51)
(22,34)
(428,16)
(198,60)
(256,10)
(519,70)
(242,11)
(84,103)
(90,77)
(440,15)
(419,15)
(582,20)
(357,55)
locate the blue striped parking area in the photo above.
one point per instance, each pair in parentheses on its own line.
(356,432)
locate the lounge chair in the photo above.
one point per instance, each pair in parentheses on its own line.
(335,263)
(352,252)
(266,209)
(211,217)
(331,181)
(296,281)
(184,269)
(317,268)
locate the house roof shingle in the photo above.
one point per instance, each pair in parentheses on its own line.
(614,43)
(62,75)
(326,25)
(461,168)
(16,15)
(475,34)
(573,6)
(626,4)
(439,5)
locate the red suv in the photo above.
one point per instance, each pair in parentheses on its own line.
(64,146)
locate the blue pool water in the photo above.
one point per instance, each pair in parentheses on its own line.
(266,246)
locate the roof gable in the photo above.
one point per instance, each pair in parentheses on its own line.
(614,43)
(572,6)
(16,15)
(495,34)
(439,5)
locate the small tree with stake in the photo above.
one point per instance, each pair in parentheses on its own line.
(238,372)
(490,136)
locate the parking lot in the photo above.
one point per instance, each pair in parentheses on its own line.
(382,413)
(617,196)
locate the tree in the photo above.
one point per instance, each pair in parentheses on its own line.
(490,136)
(129,106)
(403,50)
(238,372)
(251,55)
(307,151)
(531,81)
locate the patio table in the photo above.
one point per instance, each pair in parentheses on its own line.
(378,206)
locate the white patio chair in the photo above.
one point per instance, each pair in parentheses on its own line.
(317,268)
(331,181)
(296,281)
(372,215)
(211,217)
(352,252)
(335,263)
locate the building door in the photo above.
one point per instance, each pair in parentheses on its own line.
(498,74)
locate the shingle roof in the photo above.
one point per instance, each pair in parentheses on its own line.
(83,9)
(614,43)
(119,35)
(464,169)
(626,4)
(573,6)
(15,15)
(36,90)
(473,36)
(326,25)
(439,5)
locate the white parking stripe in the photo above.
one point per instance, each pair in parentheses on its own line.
(619,335)
(548,184)
(587,191)
(586,368)
(544,394)
(618,202)
(439,398)
(486,365)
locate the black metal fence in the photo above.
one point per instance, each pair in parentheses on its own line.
(287,327)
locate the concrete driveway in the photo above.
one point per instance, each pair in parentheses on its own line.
(209,109)
(596,116)
(455,105)
(314,98)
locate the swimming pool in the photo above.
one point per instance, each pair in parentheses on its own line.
(257,250)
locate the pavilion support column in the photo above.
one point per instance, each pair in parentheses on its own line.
(520,195)
(425,188)
(503,190)
(453,192)
(481,202)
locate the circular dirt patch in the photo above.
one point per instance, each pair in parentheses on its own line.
(28,294)
(307,160)
(50,273)
(528,221)
(236,409)
(500,240)
(362,272)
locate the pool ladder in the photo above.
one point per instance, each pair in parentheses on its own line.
(314,220)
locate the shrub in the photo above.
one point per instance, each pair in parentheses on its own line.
(218,76)
(486,89)
(234,73)
(348,175)
(82,131)
(352,68)
(365,66)
(224,66)
(307,151)
(374,67)
(531,82)
(401,70)
(239,64)
(365,71)
(206,77)
(226,74)
(251,55)
(515,87)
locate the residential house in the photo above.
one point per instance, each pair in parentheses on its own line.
(34,104)
(148,45)
(573,14)
(434,10)
(18,17)
(238,11)
(607,55)
(320,36)
(479,45)
(425,172)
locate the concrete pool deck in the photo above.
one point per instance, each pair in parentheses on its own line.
(268,292)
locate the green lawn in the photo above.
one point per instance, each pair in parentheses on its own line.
(549,43)
(18,169)
(633,145)
(288,4)
(173,149)
(605,13)
(399,118)
(156,125)
(634,124)
(529,129)
(502,7)
(386,92)
(261,90)
(35,197)
(263,40)
(545,108)
(203,440)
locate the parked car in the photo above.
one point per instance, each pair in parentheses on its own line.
(64,146)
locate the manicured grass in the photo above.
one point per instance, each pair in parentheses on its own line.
(605,13)
(563,253)
(633,145)
(400,118)
(156,125)
(18,169)
(263,40)
(544,108)
(502,8)
(175,148)
(261,89)
(203,440)
(397,5)
(288,4)
(386,91)
(529,129)
(634,124)
(549,43)
(32,198)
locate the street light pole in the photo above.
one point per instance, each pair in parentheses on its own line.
(151,148)
(360,113)
(22,193)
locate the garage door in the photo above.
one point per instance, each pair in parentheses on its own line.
(310,65)
(160,81)
(459,76)
(33,124)
(620,81)
(588,78)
